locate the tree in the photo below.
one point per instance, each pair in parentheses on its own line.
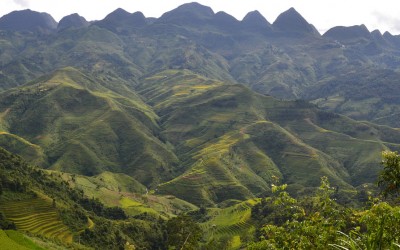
(183,233)
(5,224)
(389,178)
(305,224)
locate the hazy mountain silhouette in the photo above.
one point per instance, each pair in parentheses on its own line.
(256,22)
(27,20)
(291,21)
(72,21)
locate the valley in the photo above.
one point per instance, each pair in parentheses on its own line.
(132,127)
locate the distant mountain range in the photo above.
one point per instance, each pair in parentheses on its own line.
(199,104)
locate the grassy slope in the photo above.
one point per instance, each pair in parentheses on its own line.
(33,243)
(232,141)
(114,189)
(38,200)
(84,127)
(8,243)
(31,152)
(367,94)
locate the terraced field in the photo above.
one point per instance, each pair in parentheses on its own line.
(36,216)
(231,222)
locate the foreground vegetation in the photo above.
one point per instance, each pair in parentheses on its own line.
(168,135)
(42,204)
(318,222)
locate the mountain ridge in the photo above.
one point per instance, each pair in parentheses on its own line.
(291,21)
(208,136)
(28,20)
(291,13)
(216,45)
(141,125)
(122,94)
(72,21)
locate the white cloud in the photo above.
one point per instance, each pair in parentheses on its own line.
(384,19)
(22,3)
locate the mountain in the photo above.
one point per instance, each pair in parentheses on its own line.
(50,210)
(379,39)
(256,22)
(158,100)
(83,127)
(225,21)
(188,14)
(341,33)
(291,21)
(136,125)
(220,141)
(242,139)
(365,95)
(72,21)
(27,20)
(394,40)
(120,21)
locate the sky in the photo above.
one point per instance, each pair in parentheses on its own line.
(323,14)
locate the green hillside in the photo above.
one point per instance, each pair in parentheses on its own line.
(368,94)
(116,189)
(56,213)
(83,127)
(196,130)
(13,240)
(204,141)
(231,226)
(232,141)
(349,70)
(36,216)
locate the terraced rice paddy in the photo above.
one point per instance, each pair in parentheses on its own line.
(232,222)
(36,216)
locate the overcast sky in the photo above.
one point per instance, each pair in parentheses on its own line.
(323,14)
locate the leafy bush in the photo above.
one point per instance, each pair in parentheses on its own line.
(389,179)
(183,233)
(6,224)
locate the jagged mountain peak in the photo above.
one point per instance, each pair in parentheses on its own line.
(121,19)
(377,35)
(292,21)
(376,32)
(225,15)
(255,17)
(225,21)
(350,32)
(117,14)
(387,33)
(195,7)
(28,20)
(254,20)
(393,40)
(225,18)
(378,38)
(137,19)
(73,20)
(188,13)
